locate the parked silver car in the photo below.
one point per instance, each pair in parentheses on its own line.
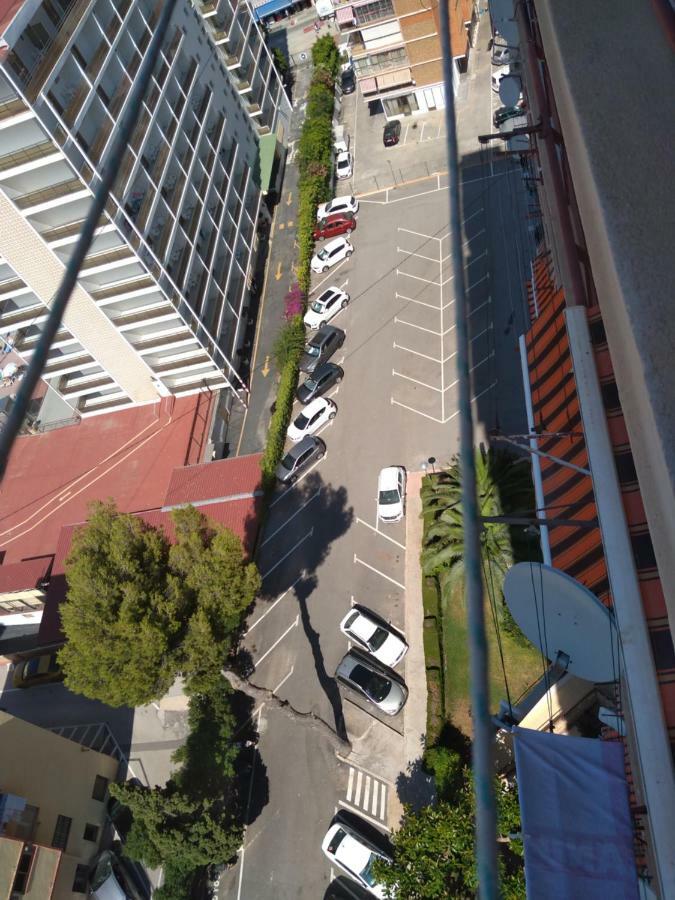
(374,682)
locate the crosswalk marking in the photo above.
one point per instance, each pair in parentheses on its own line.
(359,784)
(367,793)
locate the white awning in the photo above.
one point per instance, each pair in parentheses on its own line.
(575,818)
(394,79)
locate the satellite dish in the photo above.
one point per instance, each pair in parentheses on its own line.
(561,616)
(510,89)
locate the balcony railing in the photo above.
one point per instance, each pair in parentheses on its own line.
(11,108)
(53,192)
(26,155)
(106,256)
(11,285)
(55,49)
(69,230)
(122,288)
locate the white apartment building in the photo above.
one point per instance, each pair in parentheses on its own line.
(160,305)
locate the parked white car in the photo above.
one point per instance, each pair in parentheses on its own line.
(313,416)
(326,305)
(338,205)
(355,855)
(330,254)
(343,165)
(374,636)
(391,494)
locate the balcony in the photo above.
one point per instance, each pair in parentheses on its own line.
(207,8)
(96,260)
(96,62)
(10,108)
(141,316)
(183,361)
(27,155)
(126,287)
(56,49)
(58,365)
(53,192)
(72,229)
(101,139)
(78,386)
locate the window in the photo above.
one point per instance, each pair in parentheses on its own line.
(37,35)
(100,788)
(643,550)
(378,62)
(61,832)
(80,880)
(90,832)
(597,332)
(610,396)
(378,10)
(625,467)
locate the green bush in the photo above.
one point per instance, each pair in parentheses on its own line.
(447,767)
(276,435)
(326,55)
(289,343)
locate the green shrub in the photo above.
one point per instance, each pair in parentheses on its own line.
(276,435)
(447,767)
(289,343)
(326,55)
(432,649)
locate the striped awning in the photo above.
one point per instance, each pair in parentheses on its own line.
(368,85)
(394,79)
(344,15)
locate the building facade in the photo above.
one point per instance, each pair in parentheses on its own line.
(52,816)
(160,304)
(395,49)
(597,358)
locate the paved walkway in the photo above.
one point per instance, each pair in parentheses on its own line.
(277,280)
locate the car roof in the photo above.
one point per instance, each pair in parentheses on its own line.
(336,242)
(388,478)
(329,292)
(325,330)
(305,444)
(314,405)
(352,853)
(337,217)
(363,626)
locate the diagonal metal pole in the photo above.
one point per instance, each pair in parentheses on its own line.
(483,729)
(59,303)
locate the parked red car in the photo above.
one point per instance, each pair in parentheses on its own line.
(340,223)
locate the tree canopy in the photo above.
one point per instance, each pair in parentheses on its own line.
(141,611)
(434,856)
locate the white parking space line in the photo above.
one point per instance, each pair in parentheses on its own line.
(366,793)
(419,302)
(267,611)
(473,399)
(478,308)
(418,255)
(412,325)
(302,477)
(377,572)
(429,237)
(290,518)
(293,625)
(381,533)
(476,258)
(331,274)
(283,681)
(416,353)
(241,871)
(395,402)
(286,555)
(476,283)
(376,785)
(415,381)
(417,277)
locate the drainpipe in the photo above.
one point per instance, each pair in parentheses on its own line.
(536,467)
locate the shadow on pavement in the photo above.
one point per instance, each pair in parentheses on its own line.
(344,888)
(416,786)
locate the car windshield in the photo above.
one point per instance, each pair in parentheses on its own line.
(322,254)
(317,306)
(32,666)
(367,872)
(389,497)
(376,686)
(336,840)
(301,421)
(287,462)
(312,350)
(310,385)
(102,872)
(343,162)
(377,639)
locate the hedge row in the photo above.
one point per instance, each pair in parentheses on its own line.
(314,161)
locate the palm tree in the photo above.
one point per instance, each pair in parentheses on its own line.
(502,480)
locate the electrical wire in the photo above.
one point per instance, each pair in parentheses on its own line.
(483,730)
(62,296)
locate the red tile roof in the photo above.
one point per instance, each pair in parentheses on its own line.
(223,478)
(24,576)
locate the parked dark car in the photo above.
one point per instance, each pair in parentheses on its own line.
(348,81)
(334,225)
(392,133)
(323,378)
(299,457)
(505,113)
(320,347)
